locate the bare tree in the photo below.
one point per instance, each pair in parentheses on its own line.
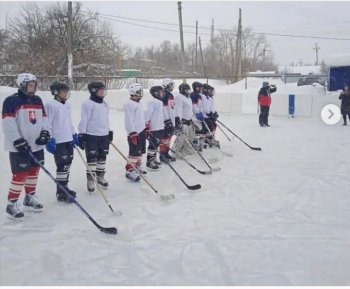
(39,41)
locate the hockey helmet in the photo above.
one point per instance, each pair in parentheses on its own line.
(135,89)
(156,91)
(184,89)
(57,86)
(95,86)
(168,84)
(196,85)
(22,81)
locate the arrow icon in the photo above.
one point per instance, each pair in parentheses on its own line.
(331,112)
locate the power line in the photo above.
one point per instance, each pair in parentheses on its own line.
(208,28)
(152,27)
(301,36)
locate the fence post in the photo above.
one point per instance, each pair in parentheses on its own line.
(291,105)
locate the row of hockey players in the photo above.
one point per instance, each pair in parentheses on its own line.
(29,125)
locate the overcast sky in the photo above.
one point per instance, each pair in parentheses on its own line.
(313,18)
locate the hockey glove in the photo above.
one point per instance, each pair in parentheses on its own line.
(75,140)
(178,123)
(51,146)
(21,145)
(43,138)
(134,138)
(110,136)
(200,116)
(82,140)
(168,127)
(211,116)
(178,126)
(216,115)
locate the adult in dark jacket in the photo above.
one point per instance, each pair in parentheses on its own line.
(264,99)
(345,103)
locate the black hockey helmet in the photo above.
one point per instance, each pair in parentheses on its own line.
(206,88)
(155,91)
(184,89)
(94,86)
(195,85)
(57,86)
(211,91)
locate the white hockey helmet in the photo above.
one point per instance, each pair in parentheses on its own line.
(23,79)
(168,84)
(135,89)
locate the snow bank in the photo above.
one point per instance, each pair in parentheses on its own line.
(234,98)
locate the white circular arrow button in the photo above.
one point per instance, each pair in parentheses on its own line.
(330,114)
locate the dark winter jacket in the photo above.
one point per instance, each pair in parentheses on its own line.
(345,101)
(264,96)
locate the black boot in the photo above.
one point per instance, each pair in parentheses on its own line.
(62,195)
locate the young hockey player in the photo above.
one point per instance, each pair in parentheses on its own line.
(135,128)
(155,120)
(213,116)
(95,134)
(169,120)
(63,137)
(197,106)
(183,121)
(25,130)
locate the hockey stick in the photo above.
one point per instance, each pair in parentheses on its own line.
(253,148)
(194,187)
(163,197)
(187,162)
(212,135)
(223,132)
(198,152)
(109,230)
(94,177)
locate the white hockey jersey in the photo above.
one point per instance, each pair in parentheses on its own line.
(23,117)
(206,105)
(134,117)
(59,121)
(183,107)
(94,118)
(169,107)
(154,114)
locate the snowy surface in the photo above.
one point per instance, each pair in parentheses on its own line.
(275,217)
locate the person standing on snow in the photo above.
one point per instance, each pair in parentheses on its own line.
(197,107)
(169,120)
(183,121)
(63,137)
(155,122)
(136,130)
(95,134)
(345,103)
(25,130)
(264,100)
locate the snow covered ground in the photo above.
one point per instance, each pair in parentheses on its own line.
(275,217)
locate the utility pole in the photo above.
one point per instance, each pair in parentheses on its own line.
(264,53)
(182,42)
(69,47)
(200,48)
(196,62)
(212,32)
(317,48)
(239,48)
